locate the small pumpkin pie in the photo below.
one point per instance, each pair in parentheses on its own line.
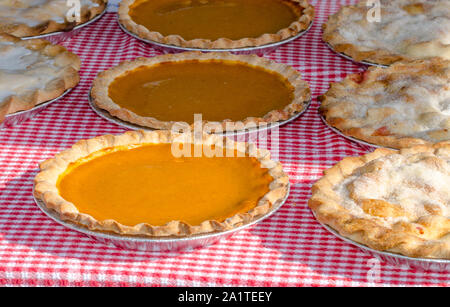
(23,18)
(400,30)
(161,183)
(216,24)
(33,72)
(394,201)
(403,105)
(230,92)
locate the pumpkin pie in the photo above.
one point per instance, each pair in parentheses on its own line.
(160,183)
(33,72)
(230,92)
(23,18)
(216,24)
(394,201)
(404,105)
(401,30)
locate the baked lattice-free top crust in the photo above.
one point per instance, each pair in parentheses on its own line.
(216,24)
(403,105)
(406,30)
(24,18)
(391,201)
(32,72)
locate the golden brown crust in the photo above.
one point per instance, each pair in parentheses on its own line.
(344,105)
(50,26)
(66,78)
(102,100)
(426,237)
(303,22)
(408,49)
(47,191)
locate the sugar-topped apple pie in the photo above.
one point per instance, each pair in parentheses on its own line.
(395,201)
(33,72)
(160,183)
(404,105)
(400,30)
(24,18)
(218,24)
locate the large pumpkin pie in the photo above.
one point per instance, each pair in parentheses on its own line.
(216,23)
(24,18)
(161,184)
(229,91)
(33,72)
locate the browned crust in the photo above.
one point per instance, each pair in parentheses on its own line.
(338,92)
(23,30)
(296,27)
(403,238)
(69,78)
(339,44)
(102,100)
(47,191)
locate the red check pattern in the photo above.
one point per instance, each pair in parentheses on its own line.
(288,249)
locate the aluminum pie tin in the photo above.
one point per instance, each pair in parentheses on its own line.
(353,60)
(156,244)
(61,36)
(350,138)
(425,264)
(107,116)
(259,50)
(21,116)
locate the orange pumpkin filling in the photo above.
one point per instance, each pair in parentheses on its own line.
(219,90)
(213,19)
(147,184)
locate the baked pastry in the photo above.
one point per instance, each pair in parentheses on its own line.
(230,92)
(404,105)
(390,201)
(23,18)
(32,72)
(218,24)
(406,30)
(159,183)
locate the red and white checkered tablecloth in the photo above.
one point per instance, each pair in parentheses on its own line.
(288,249)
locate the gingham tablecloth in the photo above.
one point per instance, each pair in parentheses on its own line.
(288,249)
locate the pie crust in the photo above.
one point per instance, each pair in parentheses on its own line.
(47,191)
(33,72)
(403,105)
(300,100)
(35,17)
(394,201)
(296,27)
(407,30)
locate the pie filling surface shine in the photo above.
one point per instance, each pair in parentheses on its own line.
(389,200)
(148,184)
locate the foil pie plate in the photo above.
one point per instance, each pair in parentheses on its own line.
(155,244)
(61,36)
(21,116)
(354,61)
(425,264)
(107,116)
(258,50)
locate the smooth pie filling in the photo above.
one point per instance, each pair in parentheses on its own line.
(399,188)
(147,184)
(418,29)
(214,19)
(219,90)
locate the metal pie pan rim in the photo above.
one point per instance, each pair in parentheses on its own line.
(78,27)
(353,60)
(242,49)
(374,251)
(140,239)
(39,106)
(110,118)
